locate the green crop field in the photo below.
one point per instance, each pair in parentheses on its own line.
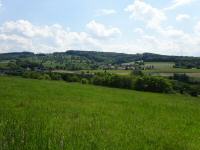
(166,69)
(3,64)
(119,72)
(55,115)
(160,69)
(173,70)
(160,65)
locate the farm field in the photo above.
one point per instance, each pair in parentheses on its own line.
(173,70)
(194,73)
(160,68)
(3,64)
(166,69)
(160,65)
(119,72)
(36,114)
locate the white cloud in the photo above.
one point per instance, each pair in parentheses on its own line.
(182,17)
(171,32)
(25,28)
(105,12)
(139,30)
(15,41)
(101,31)
(163,38)
(143,11)
(154,17)
(197,28)
(177,3)
(22,35)
(168,45)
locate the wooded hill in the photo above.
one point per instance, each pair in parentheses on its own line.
(92,59)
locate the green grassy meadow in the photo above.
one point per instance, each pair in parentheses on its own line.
(55,115)
(119,72)
(173,70)
(160,65)
(160,69)
(3,64)
(166,69)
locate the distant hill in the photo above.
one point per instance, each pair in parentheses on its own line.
(106,57)
(15,55)
(83,60)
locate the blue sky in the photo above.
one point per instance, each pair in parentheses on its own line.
(131,26)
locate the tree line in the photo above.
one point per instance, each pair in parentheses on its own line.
(133,82)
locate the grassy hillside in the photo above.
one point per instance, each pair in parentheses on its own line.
(57,115)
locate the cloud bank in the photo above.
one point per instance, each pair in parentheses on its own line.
(156,34)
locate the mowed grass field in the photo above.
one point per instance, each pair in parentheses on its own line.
(160,69)
(3,64)
(160,65)
(55,115)
(166,69)
(119,72)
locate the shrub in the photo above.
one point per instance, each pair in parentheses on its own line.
(36,75)
(111,80)
(71,78)
(31,74)
(100,78)
(180,87)
(153,84)
(185,88)
(44,77)
(193,92)
(137,72)
(84,81)
(181,77)
(121,82)
(55,76)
